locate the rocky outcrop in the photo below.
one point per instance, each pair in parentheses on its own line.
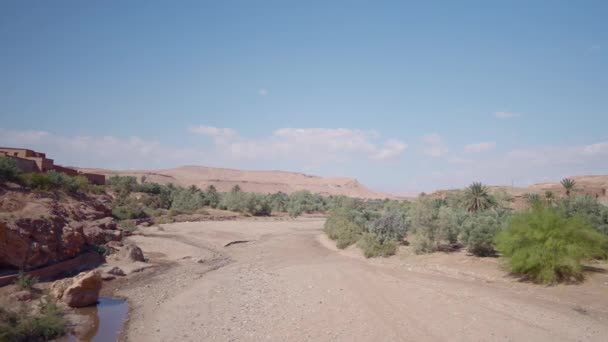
(37,229)
(83,291)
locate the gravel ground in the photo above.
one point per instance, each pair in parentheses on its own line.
(288,283)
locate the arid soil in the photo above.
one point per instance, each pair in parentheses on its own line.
(252,181)
(284,281)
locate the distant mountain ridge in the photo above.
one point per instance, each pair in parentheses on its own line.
(253,181)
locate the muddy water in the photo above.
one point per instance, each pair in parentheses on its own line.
(105,321)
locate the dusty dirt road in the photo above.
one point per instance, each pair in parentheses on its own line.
(289,284)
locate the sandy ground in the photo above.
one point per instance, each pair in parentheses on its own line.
(289,283)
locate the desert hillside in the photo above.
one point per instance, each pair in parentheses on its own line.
(253,181)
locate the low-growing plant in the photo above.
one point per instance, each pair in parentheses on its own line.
(25,281)
(479,231)
(341,227)
(545,245)
(422,244)
(373,246)
(24,324)
(392,225)
(128,225)
(9,171)
(301,202)
(128,211)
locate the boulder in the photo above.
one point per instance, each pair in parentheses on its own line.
(130,252)
(84,290)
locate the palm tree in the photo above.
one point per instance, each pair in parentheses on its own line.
(568,184)
(477,197)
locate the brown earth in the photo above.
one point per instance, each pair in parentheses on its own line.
(253,181)
(282,280)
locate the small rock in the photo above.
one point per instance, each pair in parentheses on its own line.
(106,277)
(131,252)
(117,271)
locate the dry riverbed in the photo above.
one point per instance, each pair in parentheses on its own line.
(282,280)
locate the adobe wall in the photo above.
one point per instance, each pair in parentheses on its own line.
(67,171)
(26,165)
(95,178)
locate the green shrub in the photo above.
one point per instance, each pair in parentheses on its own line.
(373,246)
(128,225)
(36,181)
(9,171)
(122,185)
(128,211)
(53,180)
(422,244)
(479,231)
(60,180)
(426,223)
(304,202)
(279,202)
(25,281)
(190,198)
(588,207)
(25,324)
(392,225)
(257,205)
(449,223)
(341,227)
(212,197)
(545,245)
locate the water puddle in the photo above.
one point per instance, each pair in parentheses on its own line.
(104,321)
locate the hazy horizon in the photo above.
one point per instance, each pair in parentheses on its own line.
(404,97)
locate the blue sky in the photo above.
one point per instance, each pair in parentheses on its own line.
(404,96)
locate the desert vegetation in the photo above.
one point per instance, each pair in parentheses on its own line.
(23,323)
(49,181)
(140,199)
(546,243)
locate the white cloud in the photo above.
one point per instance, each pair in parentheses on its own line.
(480,147)
(218,134)
(506,115)
(102,151)
(434,146)
(310,144)
(459,160)
(263,92)
(596,149)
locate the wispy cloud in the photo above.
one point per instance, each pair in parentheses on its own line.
(219,135)
(506,115)
(434,146)
(312,144)
(263,92)
(479,147)
(102,151)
